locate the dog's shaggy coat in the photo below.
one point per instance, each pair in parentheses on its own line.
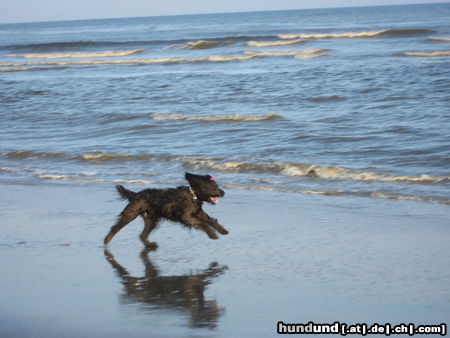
(182,204)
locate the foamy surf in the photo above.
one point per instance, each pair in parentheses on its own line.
(100,156)
(439,39)
(23,69)
(214,58)
(359,35)
(369,194)
(78,54)
(307,170)
(351,35)
(427,54)
(215,118)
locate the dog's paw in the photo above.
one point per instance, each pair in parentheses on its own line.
(151,245)
(212,235)
(223,231)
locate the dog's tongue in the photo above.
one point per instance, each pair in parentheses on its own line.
(213,199)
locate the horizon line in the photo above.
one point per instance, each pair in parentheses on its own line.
(220,13)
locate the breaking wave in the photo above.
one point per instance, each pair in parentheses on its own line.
(93,156)
(373,194)
(427,54)
(203,44)
(78,54)
(286,169)
(131,61)
(274,43)
(206,43)
(439,39)
(217,118)
(24,69)
(298,54)
(359,35)
(31,153)
(314,171)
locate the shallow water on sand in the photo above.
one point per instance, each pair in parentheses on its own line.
(328,129)
(314,261)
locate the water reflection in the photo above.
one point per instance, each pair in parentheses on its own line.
(183,293)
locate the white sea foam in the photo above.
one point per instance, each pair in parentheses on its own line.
(298,54)
(68,178)
(78,54)
(274,43)
(427,54)
(375,194)
(217,58)
(6,70)
(100,156)
(132,181)
(215,118)
(439,39)
(351,35)
(323,172)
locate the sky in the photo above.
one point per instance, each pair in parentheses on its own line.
(60,10)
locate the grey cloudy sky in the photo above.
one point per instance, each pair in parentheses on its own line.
(55,10)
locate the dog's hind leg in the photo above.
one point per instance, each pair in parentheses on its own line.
(150,224)
(131,211)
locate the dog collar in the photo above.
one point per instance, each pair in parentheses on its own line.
(194,196)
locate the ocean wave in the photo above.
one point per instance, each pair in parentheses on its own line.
(78,54)
(100,156)
(373,194)
(287,169)
(274,43)
(217,118)
(202,44)
(298,54)
(83,179)
(359,35)
(439,39)
(72,45)
(93,156)
(307,170)
(23,69)
(427,54)
(218,58)
(24,154)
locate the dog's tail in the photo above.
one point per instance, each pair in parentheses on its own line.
(125,193)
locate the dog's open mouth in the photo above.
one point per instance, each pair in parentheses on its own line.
(213,199)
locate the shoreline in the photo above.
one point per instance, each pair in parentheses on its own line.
(289,257)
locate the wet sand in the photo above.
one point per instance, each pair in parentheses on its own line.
(289,257)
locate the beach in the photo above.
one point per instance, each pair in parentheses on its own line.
(326,128)
(290,258)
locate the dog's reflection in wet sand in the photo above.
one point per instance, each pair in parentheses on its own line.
(179,293)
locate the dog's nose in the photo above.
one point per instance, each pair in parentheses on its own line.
(222,193)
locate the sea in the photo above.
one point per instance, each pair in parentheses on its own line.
(336,102)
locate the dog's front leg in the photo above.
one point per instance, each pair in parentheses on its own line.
(198,224)
(203,216)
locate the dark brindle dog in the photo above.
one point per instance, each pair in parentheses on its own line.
(182,204)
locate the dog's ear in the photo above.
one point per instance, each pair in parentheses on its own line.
(188,176)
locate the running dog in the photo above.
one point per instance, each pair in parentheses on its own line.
(182,204)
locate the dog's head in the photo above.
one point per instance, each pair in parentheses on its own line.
(204,187)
